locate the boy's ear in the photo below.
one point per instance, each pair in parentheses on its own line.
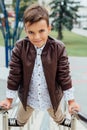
(25,30)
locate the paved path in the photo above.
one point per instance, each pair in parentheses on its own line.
(80,31)
(79,76)
(2,56)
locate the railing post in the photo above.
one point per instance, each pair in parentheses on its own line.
(73,122)
(21,128)
(5,121)
(65,110)
(28,125)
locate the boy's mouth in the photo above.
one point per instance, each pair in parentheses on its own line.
(38,41)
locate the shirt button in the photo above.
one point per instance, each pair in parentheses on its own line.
(38,64)
(38,74)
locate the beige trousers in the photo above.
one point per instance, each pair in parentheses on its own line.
(23,116)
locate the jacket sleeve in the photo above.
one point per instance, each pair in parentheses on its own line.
(63,69)
(15,73)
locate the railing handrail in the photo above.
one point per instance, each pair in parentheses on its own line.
(2,109)
(80,116)
(15,104)
(28,126)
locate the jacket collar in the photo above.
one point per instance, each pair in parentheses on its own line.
(49,42)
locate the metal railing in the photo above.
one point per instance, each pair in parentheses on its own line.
(36,115)
(76,116)
(11,113)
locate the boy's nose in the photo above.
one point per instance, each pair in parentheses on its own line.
(37,36)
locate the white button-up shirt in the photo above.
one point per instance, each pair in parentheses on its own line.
(38,95)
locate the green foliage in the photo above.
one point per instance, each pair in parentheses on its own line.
(76,45)
(1,39)
(64,13)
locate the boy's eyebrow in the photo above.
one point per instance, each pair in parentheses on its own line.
(30,31)
(33,31)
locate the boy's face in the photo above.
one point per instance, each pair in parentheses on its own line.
(37,32)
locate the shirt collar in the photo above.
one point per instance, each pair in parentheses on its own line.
(40,48)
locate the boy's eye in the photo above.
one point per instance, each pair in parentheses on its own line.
(42,30)
(30,32)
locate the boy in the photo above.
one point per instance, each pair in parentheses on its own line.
(39,70)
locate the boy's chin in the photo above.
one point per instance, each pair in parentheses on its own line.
(39,45)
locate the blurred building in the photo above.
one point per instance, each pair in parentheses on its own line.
(82,12)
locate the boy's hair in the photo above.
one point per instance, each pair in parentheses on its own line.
(35,13)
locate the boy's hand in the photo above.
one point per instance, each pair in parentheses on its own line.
(73,106)
(6,104)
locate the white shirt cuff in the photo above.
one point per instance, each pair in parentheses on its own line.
(10,93)
(69,94)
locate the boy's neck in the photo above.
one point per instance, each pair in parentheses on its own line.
(40,45)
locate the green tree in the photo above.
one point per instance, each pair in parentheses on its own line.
(64,13)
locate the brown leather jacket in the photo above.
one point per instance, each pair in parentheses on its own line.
(55,64)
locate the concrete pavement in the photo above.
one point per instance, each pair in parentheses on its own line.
(80,31)
(78,67)
(2,56)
